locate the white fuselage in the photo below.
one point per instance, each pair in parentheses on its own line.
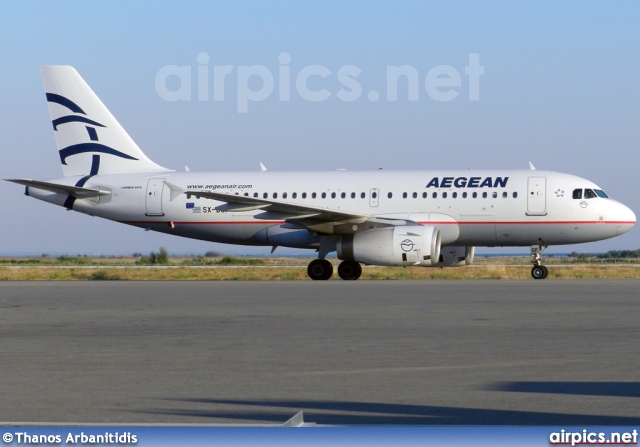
(470,208)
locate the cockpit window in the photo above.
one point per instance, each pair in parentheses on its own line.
(577,193)
(602,194)
(589,194)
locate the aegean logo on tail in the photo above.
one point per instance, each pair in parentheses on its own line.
(93,134)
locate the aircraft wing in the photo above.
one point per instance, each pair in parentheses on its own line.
(242,203)
(75,191)
(322,220)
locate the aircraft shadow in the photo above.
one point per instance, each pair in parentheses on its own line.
(371,413)
(614,389)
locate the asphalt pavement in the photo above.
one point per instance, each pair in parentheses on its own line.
(554,352)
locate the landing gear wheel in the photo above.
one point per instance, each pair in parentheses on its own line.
(320,269)
(349,270)
(546,271)
(539,272)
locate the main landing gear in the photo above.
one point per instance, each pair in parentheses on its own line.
(538,271)
(349,270)
(321,269)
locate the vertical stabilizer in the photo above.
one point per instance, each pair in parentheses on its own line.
(89,138)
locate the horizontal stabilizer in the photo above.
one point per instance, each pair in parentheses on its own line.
(75,191)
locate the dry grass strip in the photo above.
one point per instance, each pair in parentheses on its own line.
(269,273)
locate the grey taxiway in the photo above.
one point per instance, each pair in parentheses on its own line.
(382,352)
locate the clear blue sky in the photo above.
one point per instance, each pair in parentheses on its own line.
(561,87)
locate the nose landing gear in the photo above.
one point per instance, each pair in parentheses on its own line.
(538,271)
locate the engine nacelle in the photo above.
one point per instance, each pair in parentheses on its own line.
(456,256)
(401,245)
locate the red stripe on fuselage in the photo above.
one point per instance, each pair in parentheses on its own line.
(165,222)
(280,222)
(588,222)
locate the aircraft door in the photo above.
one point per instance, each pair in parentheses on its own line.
(374,196)
(154,197)
(536,196)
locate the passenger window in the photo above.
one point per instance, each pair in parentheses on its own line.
(294,195)
(313,195)
(494,195)
(454,195)
(415,195)
(304,195)
(324,195)
(353,195)
(390,195)
(577,193)
(424,195)
(255,194)
(374,195)
(504,195)
(275,195)
(484,195)
(284,195)
(515,195)
(589,194)
(464,195)
(363,195)
(343,195)
(444,195)
(404,195)
(475,195)
(434,195)
(265,195)
(333,195)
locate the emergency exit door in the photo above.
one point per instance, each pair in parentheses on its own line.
(374,196)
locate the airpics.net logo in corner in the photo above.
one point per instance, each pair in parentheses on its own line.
(313,83)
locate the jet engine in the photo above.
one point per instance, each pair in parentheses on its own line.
(400,246)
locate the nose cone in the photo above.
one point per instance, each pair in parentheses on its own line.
(625,218)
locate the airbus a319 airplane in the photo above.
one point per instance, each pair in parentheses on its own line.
(394,218)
